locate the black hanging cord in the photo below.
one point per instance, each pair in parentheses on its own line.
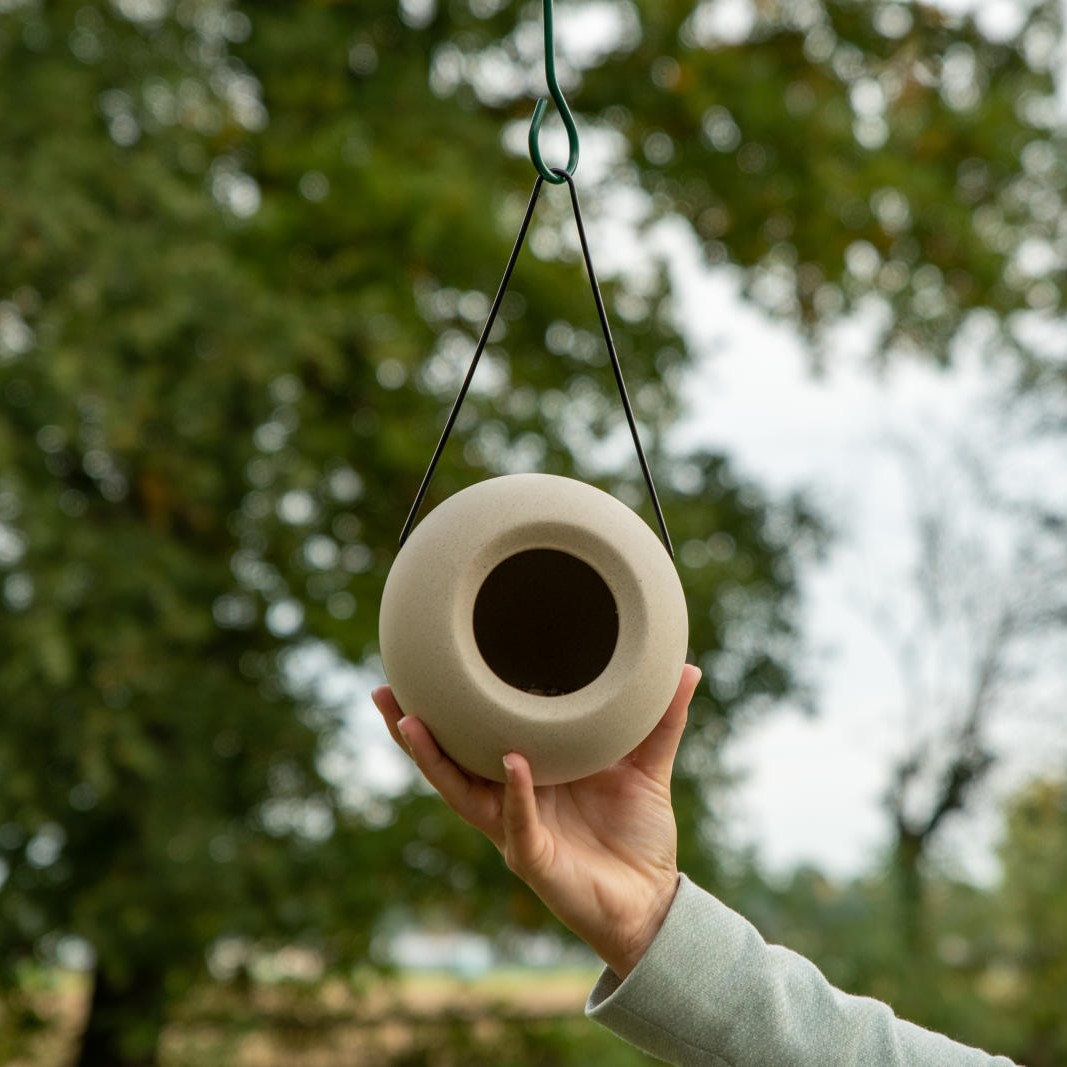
(454,413)
(599,301)
(484,338)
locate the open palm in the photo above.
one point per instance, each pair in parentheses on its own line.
(600,851)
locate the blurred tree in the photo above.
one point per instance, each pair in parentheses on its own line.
(226,246)
(999,615)
(974,632)
(996,973)
(244,252)
(970,631)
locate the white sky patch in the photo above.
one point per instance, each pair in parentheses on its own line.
(813,788)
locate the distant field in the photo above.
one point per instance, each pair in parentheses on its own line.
(418,1019)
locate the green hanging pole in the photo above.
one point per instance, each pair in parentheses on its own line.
(539,112)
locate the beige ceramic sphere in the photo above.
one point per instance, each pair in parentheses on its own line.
(535,614)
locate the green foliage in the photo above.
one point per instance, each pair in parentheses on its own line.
(245,251)
(844,150)
(1030,980)
(993,971)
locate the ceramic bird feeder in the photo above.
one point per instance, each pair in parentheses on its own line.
(536,614)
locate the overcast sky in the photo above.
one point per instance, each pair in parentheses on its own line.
(813,787)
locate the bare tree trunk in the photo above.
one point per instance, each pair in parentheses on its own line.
(908,873)
(969,765)
(124,1022)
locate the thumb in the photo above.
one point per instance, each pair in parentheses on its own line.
(655,755)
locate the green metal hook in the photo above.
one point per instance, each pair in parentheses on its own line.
(539,112)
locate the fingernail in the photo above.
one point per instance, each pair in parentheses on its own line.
(404,726)
(509,771)
(376,695)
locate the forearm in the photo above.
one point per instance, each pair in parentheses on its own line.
(710,991)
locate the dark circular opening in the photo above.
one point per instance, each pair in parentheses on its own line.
(545,622)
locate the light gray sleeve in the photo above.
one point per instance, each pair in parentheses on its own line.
(710,992)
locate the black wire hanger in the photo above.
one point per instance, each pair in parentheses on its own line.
(556,176)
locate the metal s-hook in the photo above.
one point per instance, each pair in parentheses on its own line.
(539,112)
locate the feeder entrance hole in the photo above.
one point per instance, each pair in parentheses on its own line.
(546,622)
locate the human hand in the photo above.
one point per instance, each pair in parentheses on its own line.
(601,852)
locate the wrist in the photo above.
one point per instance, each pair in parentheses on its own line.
(623,955)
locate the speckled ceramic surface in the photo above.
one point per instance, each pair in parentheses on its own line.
(536,614)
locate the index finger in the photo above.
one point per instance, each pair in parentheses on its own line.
(391,712)
(473,799)
(655,755)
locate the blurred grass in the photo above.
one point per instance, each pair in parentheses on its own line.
(504,1018)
